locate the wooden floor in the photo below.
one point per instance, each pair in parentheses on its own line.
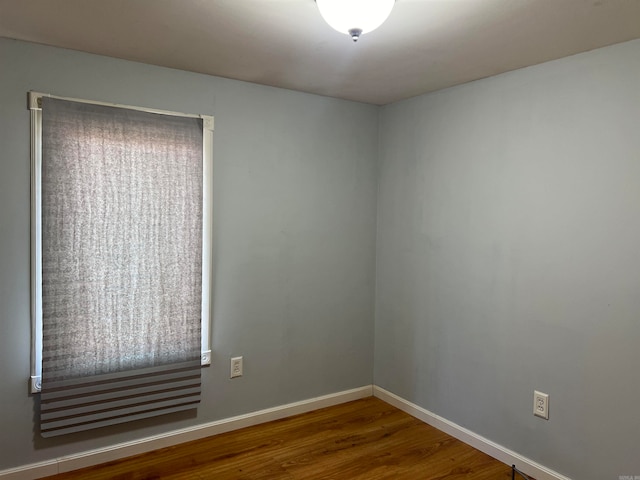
(366,439)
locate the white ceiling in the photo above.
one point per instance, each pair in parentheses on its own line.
(425,45)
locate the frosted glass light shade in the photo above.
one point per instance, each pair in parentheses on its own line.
(355,17)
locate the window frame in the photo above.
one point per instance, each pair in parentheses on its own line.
(35,108)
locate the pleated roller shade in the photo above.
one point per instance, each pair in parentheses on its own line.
(121,265)
(76,405)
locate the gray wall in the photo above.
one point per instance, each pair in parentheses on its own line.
(294,242)
(508,258)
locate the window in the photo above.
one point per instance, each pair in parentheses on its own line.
(121,247)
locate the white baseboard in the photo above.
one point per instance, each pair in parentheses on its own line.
(31,471)
(123,450)
(540,472)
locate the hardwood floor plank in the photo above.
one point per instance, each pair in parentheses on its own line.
(362,440)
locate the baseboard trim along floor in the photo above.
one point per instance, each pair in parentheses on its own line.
(534,469)
(123,450)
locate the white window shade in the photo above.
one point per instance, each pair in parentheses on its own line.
(121,248)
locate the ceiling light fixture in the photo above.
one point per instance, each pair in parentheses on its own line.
(355,17)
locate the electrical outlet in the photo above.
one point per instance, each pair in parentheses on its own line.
(236,367)
(541,404)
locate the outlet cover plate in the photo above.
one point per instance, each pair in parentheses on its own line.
(236,367)
(541,404)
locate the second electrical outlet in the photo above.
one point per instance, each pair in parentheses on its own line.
(541,404)
(236,367)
